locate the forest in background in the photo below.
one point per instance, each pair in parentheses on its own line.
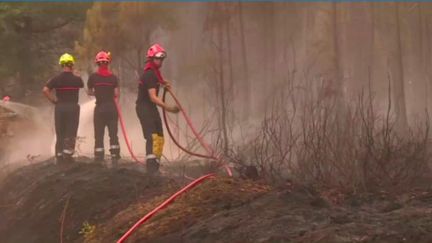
(345,79)
(248,50)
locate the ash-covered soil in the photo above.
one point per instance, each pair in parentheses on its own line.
(34,198)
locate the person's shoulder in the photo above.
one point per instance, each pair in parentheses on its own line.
(149,74)
(55,78)
(113,77)
(76,77)
(76,80)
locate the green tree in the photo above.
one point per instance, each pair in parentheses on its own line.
(34,34)
(124,29)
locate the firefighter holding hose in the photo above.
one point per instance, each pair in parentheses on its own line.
(103,84)
(146,106)
(67,109)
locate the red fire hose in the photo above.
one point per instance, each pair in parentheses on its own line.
(190,124)
(163,205)
(165,117)
(195,132)
(123,128)
(190,185)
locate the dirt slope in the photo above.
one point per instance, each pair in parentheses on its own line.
(226,210)
(33,198)
(220,210)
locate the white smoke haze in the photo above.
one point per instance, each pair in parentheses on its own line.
(284,44)
(33,137)
(29,134)
(85,143)
(85,136)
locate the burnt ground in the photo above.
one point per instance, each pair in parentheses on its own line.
(219,210)
(34,197)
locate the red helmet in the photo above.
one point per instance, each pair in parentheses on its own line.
(6,98)
(156,51)
(103,56)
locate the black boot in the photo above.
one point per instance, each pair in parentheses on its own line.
(114,159)
(99,156)
(152,166)
(68,159)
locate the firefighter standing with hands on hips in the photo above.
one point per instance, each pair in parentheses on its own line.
(67,109)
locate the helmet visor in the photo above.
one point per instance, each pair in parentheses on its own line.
(161,55)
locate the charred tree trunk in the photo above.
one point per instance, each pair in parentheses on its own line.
(268,52)
(428,53)
(423,54)
(398,76)
(229,57)
(337,80)
(222,95)
(246,90)
(371,68)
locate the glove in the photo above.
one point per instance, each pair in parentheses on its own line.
(172,109)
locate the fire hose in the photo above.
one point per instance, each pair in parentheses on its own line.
(163,205)
(125,135)
(194,183)
(200,139)
(194,131)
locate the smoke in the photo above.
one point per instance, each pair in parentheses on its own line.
(85,134)
(85,137)
(32,132)
(29,138)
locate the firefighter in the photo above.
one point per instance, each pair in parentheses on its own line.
(103,84)
(148,114)
(67,109)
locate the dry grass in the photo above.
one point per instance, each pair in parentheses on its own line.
(319,141)
(204,200)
